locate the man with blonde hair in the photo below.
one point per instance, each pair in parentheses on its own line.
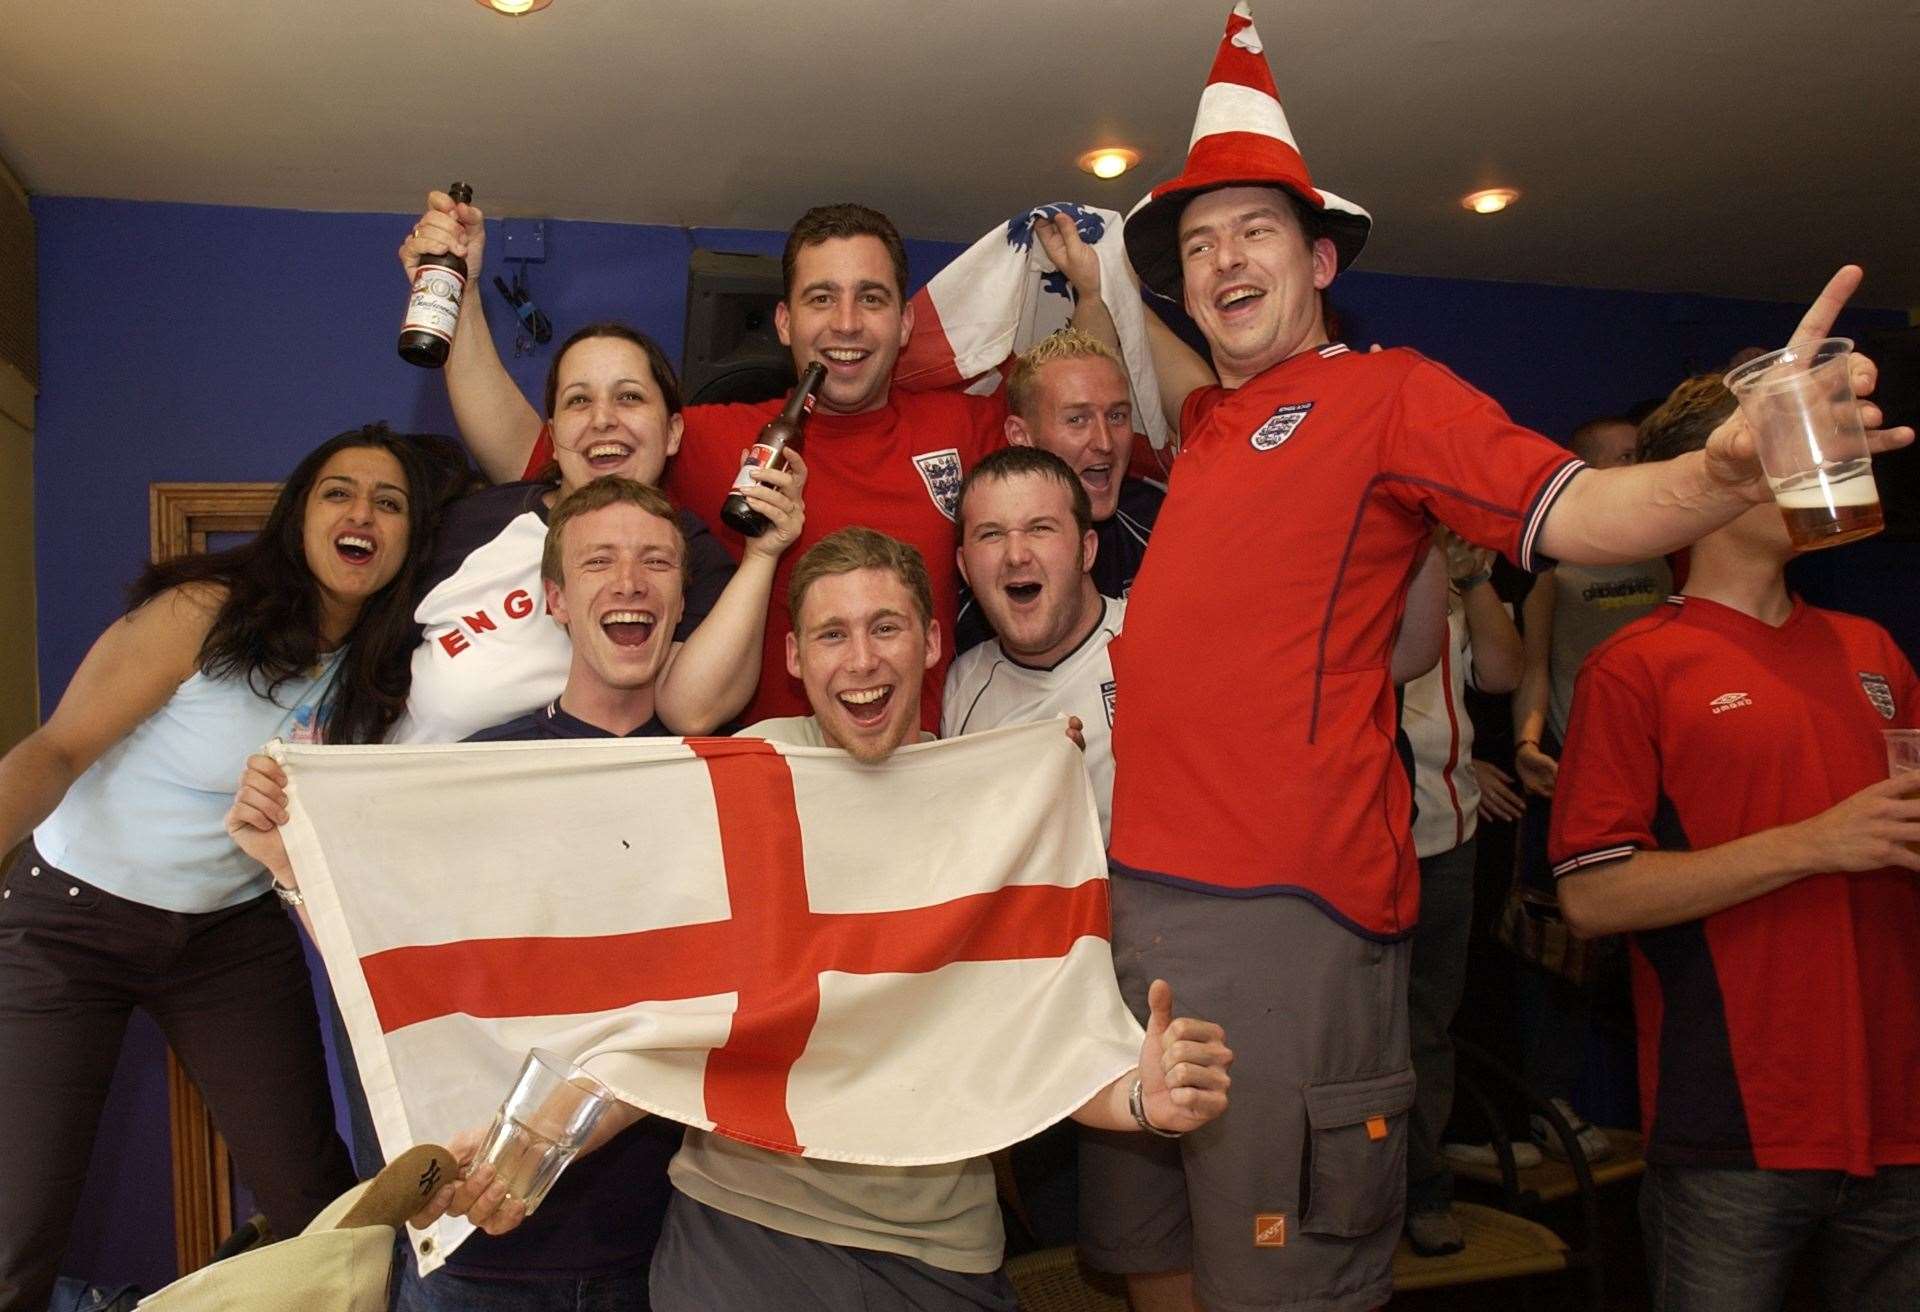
(1069,395)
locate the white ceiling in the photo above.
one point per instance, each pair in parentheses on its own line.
(1743,149)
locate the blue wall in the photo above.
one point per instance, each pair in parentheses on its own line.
(186,342)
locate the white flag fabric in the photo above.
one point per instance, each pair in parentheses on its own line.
(1002,295)
(894,964)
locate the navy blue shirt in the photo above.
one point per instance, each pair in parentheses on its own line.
(603,1215)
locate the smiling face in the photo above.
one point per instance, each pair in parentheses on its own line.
(354,526)
(609,416)
(1252,280)
(623,580)
(861,648)
(1027,562)
(1082,411)
(844,309)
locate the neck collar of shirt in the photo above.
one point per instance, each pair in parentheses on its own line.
(563,725)
(1101,621)
(1737,623)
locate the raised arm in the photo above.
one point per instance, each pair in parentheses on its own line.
(1176,368)
(714,672)
(495,419)
(1878,827)
(1636,512)
(130,672)
(1423,628)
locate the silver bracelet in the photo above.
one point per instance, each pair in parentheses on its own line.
(292,897)
(1137,1104)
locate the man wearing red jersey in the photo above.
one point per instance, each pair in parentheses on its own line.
(1724,798)
(1259,819)
(885,459)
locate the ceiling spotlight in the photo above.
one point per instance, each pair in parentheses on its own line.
(1490,201)
(514,8)
(1110,162)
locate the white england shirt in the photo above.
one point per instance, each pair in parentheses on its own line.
(986,689)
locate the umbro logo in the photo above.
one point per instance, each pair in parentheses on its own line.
(1729,701)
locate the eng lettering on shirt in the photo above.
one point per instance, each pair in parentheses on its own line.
(516,605)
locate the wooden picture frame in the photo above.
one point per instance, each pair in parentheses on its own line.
(180,517)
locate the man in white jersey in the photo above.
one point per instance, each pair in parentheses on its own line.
(1027,548)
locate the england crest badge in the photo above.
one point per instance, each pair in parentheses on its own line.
(940,471)
(1879,692)
(1280,427)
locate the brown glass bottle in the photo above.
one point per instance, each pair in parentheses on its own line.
(769,452)
(433,307)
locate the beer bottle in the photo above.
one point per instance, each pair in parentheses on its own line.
(433,308)
(769,452)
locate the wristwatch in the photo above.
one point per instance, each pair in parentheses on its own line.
(289,896)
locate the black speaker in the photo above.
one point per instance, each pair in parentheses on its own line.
(733,352)
(1897,473)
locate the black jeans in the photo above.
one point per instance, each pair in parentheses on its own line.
(230,991)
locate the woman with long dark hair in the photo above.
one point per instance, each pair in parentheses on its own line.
(130,893)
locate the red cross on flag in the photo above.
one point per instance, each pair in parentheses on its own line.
(895,964)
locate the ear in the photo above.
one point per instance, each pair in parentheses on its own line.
(1018,434)
(933,643)
(793,656)
(960,559)
(1326,262)
(675,427)
(556,602)
(906,323)
(1089,549)
(783,323)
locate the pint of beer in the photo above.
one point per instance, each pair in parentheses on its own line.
(1800,404)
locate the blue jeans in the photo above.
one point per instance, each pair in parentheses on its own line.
(1728,1238)
(448,1291)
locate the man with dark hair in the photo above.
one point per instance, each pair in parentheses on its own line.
(1259,815)
(878,456)
(1723,799)
(1027,549)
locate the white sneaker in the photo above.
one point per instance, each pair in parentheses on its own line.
(1594,1144)
(1485,1154)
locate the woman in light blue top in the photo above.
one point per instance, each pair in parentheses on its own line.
(130,892)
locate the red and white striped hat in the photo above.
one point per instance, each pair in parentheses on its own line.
(1240,139)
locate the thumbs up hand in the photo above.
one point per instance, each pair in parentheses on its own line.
(1183,1066)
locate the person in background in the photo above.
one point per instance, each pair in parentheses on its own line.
(129,892)
(1724,800)
(1571,610)
(1482,648)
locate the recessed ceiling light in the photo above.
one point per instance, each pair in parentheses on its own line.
(514,8)
(1490,201)
(1109,162)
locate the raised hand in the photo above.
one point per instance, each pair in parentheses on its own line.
(1060,238)
(776,493)
(446,228)
(1183,1066)
(1732,459)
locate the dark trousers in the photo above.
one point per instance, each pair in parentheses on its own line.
(230,991)
(1435,982)
(1727,1240)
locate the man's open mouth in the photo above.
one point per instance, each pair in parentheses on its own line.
(628,628)
(867,706)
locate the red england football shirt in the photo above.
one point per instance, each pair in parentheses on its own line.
(896,469)
(1254,718)
(1783,1033)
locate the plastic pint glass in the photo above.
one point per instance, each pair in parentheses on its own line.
(1799,402)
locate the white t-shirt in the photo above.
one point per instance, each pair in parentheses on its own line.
(986,688)
(1434,714)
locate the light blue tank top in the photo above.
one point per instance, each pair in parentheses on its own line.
(147,820)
